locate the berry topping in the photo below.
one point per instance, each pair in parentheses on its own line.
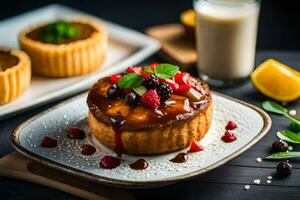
(145,75)
(230,125)
(153,65)
(134,70)
(115,78)
(228,137)
(279,146)
(183,87)
(284,169)
(151,82)
(113,92)
(151,99)
(48,142)
(130,98)
(76,133)
(109,162)
(195,147)
(182,78)
(171,83)
(88,150)
(164,91)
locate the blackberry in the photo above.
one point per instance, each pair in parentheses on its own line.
(284,169)
(279,146)
(164,91)
(113,92)
(151,82)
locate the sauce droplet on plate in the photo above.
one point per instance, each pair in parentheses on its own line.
(180,158)
(76,133)
(140,164)
(88,150)
(49,142)
(109,162)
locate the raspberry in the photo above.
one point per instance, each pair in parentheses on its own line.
(134,70)
(230,125)
(115,78)
(151,99)
(151,82)
(164,91)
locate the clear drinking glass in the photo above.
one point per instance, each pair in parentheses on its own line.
(226,39)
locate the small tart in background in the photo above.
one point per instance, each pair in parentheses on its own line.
(15,74)
(65,48)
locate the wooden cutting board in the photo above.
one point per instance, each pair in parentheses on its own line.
(176,47)
(17,166)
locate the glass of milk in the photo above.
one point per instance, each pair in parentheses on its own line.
(226,39)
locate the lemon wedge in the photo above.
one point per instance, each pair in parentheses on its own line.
(188,17)
(276,80)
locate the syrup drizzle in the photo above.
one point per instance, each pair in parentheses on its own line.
(140,164)
(117,125)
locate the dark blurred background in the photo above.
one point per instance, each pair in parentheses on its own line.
(279,26)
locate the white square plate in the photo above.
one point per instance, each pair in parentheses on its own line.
(252,122)
(126,47)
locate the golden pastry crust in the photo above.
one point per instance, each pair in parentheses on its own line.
(158,139)
(15,80)
(67,60)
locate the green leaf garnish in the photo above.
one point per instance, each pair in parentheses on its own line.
(131,80)
(58,31)
(140,90)
(283,155)
(148,70)
(294,127)
(272,106)
(165,70)
(289,136)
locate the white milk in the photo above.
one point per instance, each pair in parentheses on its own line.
(226,38)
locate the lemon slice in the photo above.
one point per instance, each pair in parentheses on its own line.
(277,81)
(188,18)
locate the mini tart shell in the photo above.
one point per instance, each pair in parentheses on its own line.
(15,80)
(155,140)
(66,60)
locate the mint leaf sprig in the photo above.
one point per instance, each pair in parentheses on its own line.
(165,70)
(283,155)
(135,80)
(289,136)
(131,80)
(273,107)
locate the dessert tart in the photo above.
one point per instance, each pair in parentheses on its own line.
(65,48)
(149,110)
(15,74)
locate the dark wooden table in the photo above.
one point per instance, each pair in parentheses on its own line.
(226,182)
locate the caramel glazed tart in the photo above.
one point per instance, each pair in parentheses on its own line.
(65,60)
(149,137)
(15,80)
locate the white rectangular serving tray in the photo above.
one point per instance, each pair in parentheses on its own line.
(126,47)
